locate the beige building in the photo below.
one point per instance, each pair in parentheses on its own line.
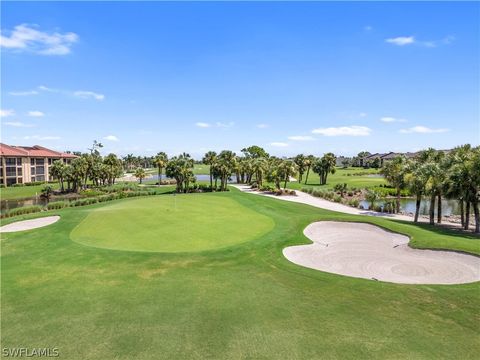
(25,164)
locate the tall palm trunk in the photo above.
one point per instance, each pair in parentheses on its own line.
(308,172)
(432,209)
(417,207)
(477,216)
(159,176)
(462,212)
(439,209)
(211,178)
(467,216)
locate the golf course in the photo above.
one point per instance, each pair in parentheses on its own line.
(203,276)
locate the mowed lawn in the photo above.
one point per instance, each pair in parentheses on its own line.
(241,301)
(19,192)
(350,176)
(162,224)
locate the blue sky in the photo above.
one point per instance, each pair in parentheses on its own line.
(291,77)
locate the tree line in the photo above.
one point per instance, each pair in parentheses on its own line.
(439,174)
(87,167)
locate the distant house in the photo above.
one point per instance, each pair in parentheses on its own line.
(383,157)
(25,164)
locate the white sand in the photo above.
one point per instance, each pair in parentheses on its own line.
(29,224)
(369,252)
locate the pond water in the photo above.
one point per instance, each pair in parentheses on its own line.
(233,178)
(6,205)
(449,207)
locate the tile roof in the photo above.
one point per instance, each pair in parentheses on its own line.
(32,151)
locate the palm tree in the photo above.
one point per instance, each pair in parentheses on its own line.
(58,170)
(324,166)
(372,197)
(209,159)
(160,162)
(286,168)
(226,165)
(301,163)
(328,163)
(259,167)
(140,174)
(309,161)
(394,172)
(415,181)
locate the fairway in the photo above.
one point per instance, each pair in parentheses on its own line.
(241,300)
(175,223)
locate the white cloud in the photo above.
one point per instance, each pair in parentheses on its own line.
(23,93)
(17,124)
(36,113)
(7,112)
(278,144)
(422,130)
(39,137)
(343,131)
(202,125)
(44,88)
(300,138)
(262,126)
(89,95)
(225,125)
(26,37)
(401,40)
(390,119)
(111,138)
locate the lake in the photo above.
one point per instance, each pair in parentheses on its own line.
(449,207)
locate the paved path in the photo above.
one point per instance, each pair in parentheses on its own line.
(308,199)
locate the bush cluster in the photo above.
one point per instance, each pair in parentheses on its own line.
(22,211)
(119,194)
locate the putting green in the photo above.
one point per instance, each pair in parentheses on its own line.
(193,222)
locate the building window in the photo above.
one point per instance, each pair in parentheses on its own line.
(40,161)
(11,161)
(19,161)
(20,180)
(32,162)
(19,171)
(11,171)
(32,170)
(11,181)
(32,179)
(40,170)
(40,178)
(49,161)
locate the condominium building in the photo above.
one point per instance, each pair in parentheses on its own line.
(25,164)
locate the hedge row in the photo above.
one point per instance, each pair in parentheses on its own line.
(80,202)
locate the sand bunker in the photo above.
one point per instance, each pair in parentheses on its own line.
(369,252)
(29,224)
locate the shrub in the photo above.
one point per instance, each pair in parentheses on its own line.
(337,198)
(22,211)
(354,203)
(57,205)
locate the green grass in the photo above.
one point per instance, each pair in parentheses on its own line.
(242,301)
(171,224)
(342,176)
(19,192)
